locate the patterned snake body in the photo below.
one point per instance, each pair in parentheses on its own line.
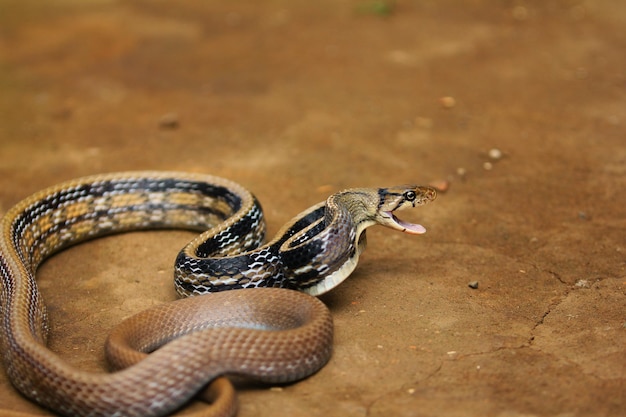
(199,338)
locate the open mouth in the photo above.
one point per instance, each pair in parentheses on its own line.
(411,228)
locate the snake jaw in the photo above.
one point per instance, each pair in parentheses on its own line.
(392,221)
(402,197)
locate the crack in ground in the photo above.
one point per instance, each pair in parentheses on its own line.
(551,306)
(569,289)
(403,388)
(555,275)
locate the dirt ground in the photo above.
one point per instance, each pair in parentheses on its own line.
(298,99)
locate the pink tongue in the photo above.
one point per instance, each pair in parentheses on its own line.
(414,229)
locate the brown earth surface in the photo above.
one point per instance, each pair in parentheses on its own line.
(298,99)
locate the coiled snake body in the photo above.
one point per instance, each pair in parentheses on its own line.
(196,339)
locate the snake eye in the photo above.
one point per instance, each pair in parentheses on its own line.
(410,195)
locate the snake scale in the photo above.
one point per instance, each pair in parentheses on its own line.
(270,334)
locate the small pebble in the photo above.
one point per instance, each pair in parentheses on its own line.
(473,285)
(582,283)
(460,171)
(487,166)
(169,121)
(440,185)
(447,102)
(495,154)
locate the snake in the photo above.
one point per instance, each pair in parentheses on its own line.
(272,328)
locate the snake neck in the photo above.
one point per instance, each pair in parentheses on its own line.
(360,204)
(333,250)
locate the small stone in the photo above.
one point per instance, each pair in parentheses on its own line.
(487,166)
(461,172)
(169,121)
(447,102)
(495,154)
(440,185)
(582,283)
(473,285)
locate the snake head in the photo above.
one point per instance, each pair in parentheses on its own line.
(401,197)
